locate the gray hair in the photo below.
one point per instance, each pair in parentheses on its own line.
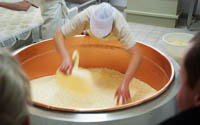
(14,91)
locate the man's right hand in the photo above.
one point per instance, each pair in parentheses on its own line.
(66,66)
(18,6)
(59,41)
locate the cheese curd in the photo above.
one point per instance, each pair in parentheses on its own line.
(101,88)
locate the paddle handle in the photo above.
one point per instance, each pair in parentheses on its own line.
(75,59)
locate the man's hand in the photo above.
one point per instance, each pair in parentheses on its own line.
(123,90)
(66,66)
(123,93)
(59,41)
(18,6)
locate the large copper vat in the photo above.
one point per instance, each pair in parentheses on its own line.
(157,70)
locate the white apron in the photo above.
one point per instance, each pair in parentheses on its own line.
(54,13)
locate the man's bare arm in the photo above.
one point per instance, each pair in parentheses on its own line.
(18,6)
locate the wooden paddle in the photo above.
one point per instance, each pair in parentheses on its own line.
(79,82)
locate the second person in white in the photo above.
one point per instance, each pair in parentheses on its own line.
(54,13)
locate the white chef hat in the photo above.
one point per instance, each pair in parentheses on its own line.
(101,20)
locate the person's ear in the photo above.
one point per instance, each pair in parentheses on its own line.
(197,100)
(27,121)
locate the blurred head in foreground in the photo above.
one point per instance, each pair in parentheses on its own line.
(14,91)
(189,93)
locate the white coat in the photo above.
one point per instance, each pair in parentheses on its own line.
(54,15)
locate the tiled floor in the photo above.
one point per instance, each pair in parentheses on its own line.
(152,35)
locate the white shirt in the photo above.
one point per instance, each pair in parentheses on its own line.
(120,30)
(54,13)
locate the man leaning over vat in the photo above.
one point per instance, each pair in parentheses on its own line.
(188,97)
(53,13)
(105,23)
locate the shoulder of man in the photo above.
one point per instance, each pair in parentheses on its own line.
(190,116)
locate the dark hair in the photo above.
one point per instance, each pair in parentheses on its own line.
(192,62)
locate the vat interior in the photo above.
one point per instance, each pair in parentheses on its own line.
(43,60)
